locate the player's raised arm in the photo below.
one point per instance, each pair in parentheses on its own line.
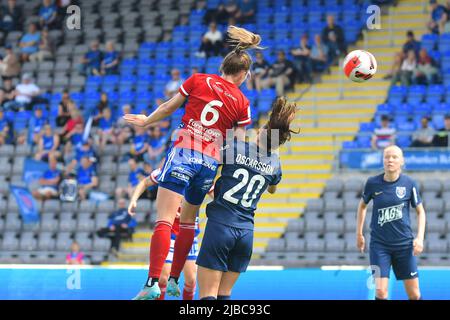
(421,221)
(162,112)
(139,190)
(361,217)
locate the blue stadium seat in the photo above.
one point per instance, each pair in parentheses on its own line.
(442,108)
(403,109)
(349,145)
(366,127)
(405,125)
(429,41)
(397,94)
(422,109)
(384,108)
(437,120)
(434,93)
(363,141)
(403,141)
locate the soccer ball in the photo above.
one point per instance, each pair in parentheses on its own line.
(360,65)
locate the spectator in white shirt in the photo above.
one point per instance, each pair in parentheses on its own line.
(212,42)
(423,137)
(406,70)
(173,85)
(24,94)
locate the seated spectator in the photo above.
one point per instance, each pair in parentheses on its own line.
(396,65)
(9,64)
(437,16)
(212,42)
(48,182)
(441,139)
(260,70)
(86,178)
(247,10)
(319,54)
(156,148)
(406,71)
(173,85)
(63,109)
(91,61)
(120,226)
(6,92)
(124,130)
(281,74)
(11,16)
(411,44)
(36,125)
(75,119)
(110,61)
(46,48)
(302,60)
(106,129)
(29,43)
(444,22)
(333,36)
(48,145)
(4,128)
(101,105)
(75,256)
(426,70)
(48,15)
(77,152)
(423,137)
(140,145)
(383,136)
(225,10)
(25,94)
(73,141)
(134,177)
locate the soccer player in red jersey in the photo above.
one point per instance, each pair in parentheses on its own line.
(215,104)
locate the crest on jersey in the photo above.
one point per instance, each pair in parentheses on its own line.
(400,192)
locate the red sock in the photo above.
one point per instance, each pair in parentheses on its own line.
(163,292)
(183,245)
(188,293)
(159,248)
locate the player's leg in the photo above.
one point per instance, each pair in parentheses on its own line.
(190,279)
(380,262)
(404,264)
(226,285)
(208,283)
(163,278)
(412,289)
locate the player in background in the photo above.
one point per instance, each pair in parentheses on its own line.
(392,242)
(190,268)
(249,169)
(215,104)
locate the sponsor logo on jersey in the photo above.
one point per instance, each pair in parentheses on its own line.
(400,192)
(390,214)
(180,176)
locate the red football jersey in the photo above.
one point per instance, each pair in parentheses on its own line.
(214,105)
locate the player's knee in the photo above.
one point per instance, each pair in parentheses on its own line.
(189,283)
(382,293)
(414,295)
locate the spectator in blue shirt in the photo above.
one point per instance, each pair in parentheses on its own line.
(156,148)
(411,44)
(106,129)
(110,62)
(48,182)
(134,177)
(11,16)
(84,149)
(91,61)
(437,14)
(120,226)
(36,125)
(246,13)
(48,144)
(48,14)
(4,128)
(140,144)
(86,177)
(29,43)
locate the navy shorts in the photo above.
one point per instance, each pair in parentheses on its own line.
(402,260)
(225,248)
(189,173)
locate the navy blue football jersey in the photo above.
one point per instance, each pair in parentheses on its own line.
(246,173)
(391,223)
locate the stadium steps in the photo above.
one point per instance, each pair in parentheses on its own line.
(331,111)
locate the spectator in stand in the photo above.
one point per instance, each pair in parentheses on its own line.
(134,177)
(225,10)
(48,182)
(302,60)
(91,61)
(4,128)
(101,105)
(407,69)
(437,16)
(124,130)
(74,140)
(46,48)
(106,129)
(120,226)
(260,70)
(441,139)
(11,16)
(247,10)
(6,92)
(426,70)
(75,256)
(48,144)
(36,125)
(444,22)
(319,54)
(212,42)
(173,85)
(110,62)
(75,118)
(411,44)
(396,65)
(25,94)
(333,36)
(281,74)
(9,64)
(86,177)
(383,136)
(29,43)
(140,145)
(156,148)
(48,15)
(76,153)
(423,137)
(63,109)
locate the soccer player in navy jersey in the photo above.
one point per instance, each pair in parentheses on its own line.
(249,169)
(392,242)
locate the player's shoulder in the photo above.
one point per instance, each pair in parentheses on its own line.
(375,179)
(407,179)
